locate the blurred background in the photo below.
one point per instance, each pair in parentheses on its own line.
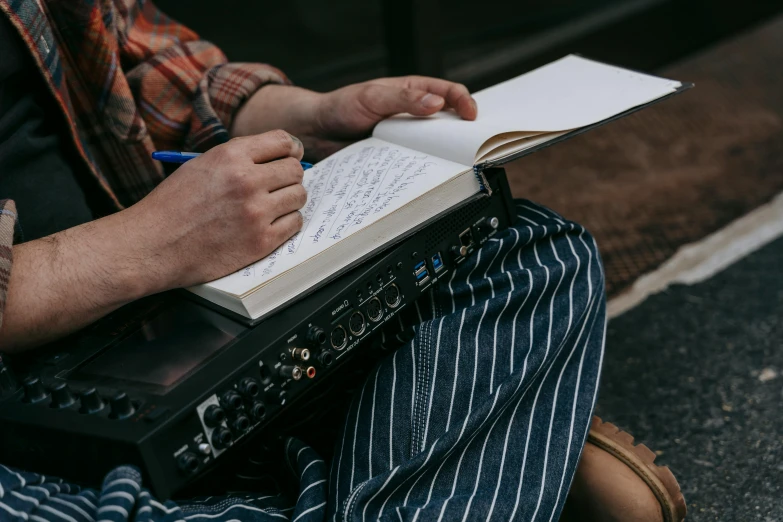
(685,198)
(323,45)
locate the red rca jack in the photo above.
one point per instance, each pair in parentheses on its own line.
(310,372)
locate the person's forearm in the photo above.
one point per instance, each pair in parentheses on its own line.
(231,206)
(293,109)
(277,107)
(65,281)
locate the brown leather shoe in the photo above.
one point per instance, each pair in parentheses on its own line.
(618,482)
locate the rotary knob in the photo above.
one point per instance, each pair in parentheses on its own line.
(121,406)
(34,390)
(91,401)
(62,397)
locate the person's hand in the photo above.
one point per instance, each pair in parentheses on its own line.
(328,122)
(217,213)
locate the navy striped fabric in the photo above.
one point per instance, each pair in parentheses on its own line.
(480,411)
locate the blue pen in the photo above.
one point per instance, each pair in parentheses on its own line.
(172,156)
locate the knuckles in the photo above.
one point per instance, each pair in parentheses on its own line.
(229,153)
(410,95)
(292,165)
(296,197)
(240,182)
(280,139)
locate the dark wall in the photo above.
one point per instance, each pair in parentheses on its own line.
(323,44)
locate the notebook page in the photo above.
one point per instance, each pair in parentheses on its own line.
(566,94)
(346,192)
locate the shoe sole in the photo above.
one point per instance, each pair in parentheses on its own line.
(639,458)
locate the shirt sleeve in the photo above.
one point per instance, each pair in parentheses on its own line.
(184,87)
(7,224)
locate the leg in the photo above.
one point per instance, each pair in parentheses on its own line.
(484,413)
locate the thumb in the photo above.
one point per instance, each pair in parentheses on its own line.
(385,100)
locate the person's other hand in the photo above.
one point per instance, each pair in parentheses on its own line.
(222,211)
(328,122)
(216,214)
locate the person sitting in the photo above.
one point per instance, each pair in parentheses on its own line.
(483,413)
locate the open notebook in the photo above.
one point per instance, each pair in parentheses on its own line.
(374,192)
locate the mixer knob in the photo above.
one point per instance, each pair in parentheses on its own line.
(62,396)
(121,406)
(34,390)
(91,401)
(275,396)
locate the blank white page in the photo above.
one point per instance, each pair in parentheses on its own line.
(566,94)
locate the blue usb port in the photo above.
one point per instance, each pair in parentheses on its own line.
(437,262)
(421,274)
(419,266)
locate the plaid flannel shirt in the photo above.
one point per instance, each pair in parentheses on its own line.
(129,80)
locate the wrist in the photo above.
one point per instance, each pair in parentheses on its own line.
(122,259)
(274,106)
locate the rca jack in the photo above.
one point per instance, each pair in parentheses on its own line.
(301,354)
(310,372)
(291,372)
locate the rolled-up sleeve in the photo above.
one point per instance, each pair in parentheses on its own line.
(185,89)
(7,224)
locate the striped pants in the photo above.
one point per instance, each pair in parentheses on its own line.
(480,413)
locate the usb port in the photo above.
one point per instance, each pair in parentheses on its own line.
(437,262)
(421,274)
(419,266)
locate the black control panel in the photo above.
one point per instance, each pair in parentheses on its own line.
(171,385)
